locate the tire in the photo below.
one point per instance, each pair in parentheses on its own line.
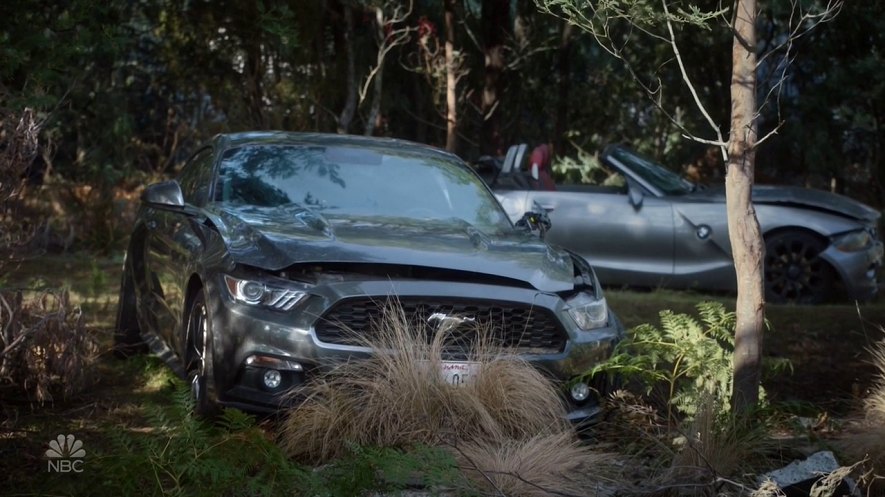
(127,334)
(794,272)
(198,356)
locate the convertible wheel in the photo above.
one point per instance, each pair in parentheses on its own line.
(127,336)
(793,271)
(198,356)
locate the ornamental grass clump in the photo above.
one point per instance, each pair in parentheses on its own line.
(865,439)
(398,396)
(506,428)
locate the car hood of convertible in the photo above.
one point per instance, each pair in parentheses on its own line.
(279,237)
(795,196)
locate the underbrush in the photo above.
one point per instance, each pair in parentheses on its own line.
(680,425)
(390,424)
(180,454)
(46,349)
(865,440)
(177,453)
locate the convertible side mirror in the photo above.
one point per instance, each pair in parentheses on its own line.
(166,194)
(634,193)
(535,222)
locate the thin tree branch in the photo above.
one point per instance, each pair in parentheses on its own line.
(771,133)
(690,85)
(828,14)
(387,43)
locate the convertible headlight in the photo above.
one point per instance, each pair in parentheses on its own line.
(853,241)
(260,293)
(588,312)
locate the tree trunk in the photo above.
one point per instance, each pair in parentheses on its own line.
(349,110)
(378,81)
(451,80)
(253,70)
(563,72)
(743,226)
(495,23)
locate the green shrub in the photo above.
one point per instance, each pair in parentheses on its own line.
(180,454)
(183,455)
(686,359)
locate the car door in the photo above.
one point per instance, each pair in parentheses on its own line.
(627,241)
(702,247)
(171,246)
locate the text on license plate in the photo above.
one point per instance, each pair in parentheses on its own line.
(459,373)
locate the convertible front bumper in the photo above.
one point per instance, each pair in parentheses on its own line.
(858,271)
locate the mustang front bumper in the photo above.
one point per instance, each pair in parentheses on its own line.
(248,341)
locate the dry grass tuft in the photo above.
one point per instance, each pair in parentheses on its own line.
(865,440)
(397,397)
(543,465)
(768,489)
(45,347)
(507,430)
(714,446)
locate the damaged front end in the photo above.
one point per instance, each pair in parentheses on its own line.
(276,329)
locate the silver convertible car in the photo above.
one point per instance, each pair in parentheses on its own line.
(639,224)
(272,256)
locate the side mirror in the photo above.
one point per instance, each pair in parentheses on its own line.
(634,193)
(165,194)
(535,222)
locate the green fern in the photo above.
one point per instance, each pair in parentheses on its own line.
(185,455)
(689,358)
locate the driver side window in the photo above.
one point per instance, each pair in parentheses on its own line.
(196,177)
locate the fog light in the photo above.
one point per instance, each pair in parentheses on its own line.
(580,392)
(272,379)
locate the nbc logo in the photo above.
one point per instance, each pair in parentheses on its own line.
(65,455)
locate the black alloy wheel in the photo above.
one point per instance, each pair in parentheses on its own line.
(794,271)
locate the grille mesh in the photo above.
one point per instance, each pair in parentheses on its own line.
(524,328)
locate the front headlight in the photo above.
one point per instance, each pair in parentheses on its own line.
(588,312)
(253,292)
(853,241)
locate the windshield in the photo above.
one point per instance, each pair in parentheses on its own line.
(655,174)
(358,182)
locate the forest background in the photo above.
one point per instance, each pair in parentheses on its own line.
(124,90)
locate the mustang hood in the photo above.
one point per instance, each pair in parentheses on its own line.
(801,197)
(276,238)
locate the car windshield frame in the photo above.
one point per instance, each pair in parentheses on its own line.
(343,180)
(654,174)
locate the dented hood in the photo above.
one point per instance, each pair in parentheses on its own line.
(799,197)
(276,238)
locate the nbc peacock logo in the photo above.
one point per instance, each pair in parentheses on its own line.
(65,455)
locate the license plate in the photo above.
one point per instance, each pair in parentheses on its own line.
(459,373)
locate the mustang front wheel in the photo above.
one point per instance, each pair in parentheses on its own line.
(198,355)
(794,272)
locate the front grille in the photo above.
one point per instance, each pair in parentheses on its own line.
(527,329)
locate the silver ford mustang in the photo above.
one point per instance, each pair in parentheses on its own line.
(259,264)
(640,224)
